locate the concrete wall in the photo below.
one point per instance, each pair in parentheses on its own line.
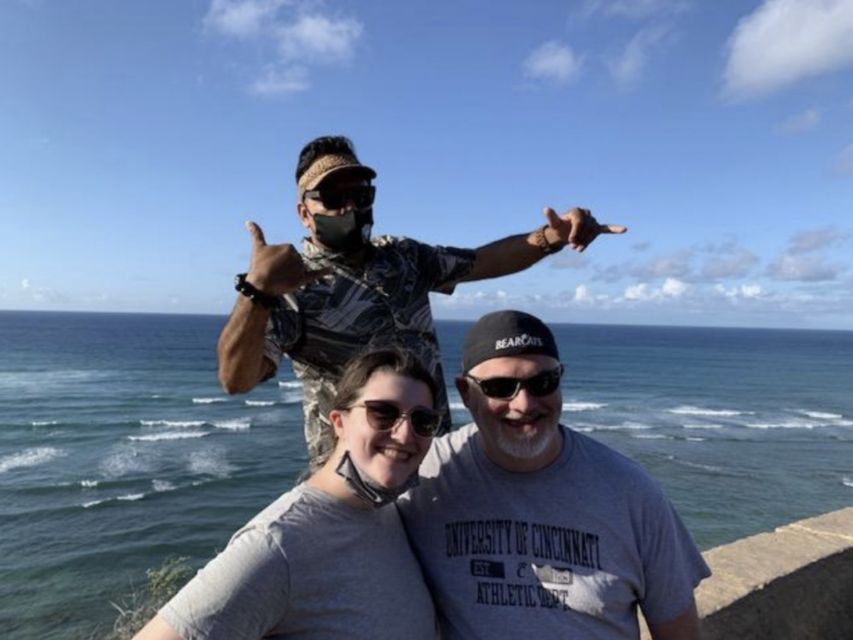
(793,583)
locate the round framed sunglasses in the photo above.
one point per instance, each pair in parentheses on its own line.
(384,415)
(503,388)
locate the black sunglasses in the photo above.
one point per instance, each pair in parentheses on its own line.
(542,384)
(384,415)
(360,195)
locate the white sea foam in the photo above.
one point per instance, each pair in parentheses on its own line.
(162,485)
(29,458)
(260,403)
(172,423)
(292,398)
(212,461)
(240,424)
(89,484)
(170,435)
(635,425)
(688,410)
(792,423)
(694,439)
(290,384)
(847,482)
(582,406)
(208,400)
(44,423)
(625,425)
(130,497)
(820,415)
(124,461)
(699,425)
(652,436)
(696,465)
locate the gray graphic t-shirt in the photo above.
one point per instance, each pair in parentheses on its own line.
(566,552)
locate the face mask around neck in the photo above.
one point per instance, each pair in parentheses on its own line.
(366,489)
(345,233)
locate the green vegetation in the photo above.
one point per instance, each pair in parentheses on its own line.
(140,605)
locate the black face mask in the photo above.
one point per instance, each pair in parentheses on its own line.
(365,488)
(345,233)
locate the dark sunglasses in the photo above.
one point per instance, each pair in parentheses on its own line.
(384,415)
(360,195)
(542,384)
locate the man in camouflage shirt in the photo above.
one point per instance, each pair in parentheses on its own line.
(348,291)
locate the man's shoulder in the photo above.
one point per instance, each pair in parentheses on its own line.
(396,243)
(447,448)
(611,465)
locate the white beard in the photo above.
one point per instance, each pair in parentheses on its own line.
(526,447)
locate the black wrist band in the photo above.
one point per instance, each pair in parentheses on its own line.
(253,294)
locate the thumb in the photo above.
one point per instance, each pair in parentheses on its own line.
(257,234)
(553,219)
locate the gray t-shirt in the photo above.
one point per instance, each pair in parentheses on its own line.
(309,566)
(566,552)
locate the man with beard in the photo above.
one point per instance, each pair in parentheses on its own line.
(348,291)
(528,529)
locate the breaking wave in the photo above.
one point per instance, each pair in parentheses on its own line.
(29,458)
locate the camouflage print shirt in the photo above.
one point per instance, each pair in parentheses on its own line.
(321,326)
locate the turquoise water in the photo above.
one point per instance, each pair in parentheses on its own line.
(119,449)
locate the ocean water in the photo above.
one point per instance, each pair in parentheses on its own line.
(118,449)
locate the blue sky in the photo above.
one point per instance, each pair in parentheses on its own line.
(138,137)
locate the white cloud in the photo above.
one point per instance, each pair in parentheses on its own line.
(635,9)
(582,294)
(25,284)
(673,288)
(281,81)
(816,239)
(805,121)
(676,265)
(628,67)
(803,268)
(784,41)
(736,263)
(552,62)
(638,292)
(291,35)
(744,291)
(241,18)
(316,39)
(844,161)
(642,292)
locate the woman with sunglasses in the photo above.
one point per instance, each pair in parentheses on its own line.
(329,559)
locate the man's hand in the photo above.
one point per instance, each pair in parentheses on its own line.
(577,227)
(276,269)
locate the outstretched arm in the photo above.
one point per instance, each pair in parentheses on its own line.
(274,270)
(576,228)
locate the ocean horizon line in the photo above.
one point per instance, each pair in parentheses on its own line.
(224,316)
